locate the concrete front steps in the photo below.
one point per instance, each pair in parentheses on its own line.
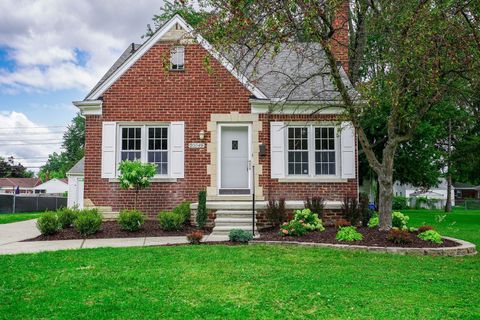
(229,219)
(106,211)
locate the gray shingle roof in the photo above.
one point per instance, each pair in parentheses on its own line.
(123,57)
(77,169)
(295,73)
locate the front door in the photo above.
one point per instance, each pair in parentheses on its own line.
(234,160)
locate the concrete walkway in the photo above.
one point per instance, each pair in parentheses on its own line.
(12,234)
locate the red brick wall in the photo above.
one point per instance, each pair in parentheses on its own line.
(146,92)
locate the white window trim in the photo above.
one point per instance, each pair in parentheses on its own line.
(312,176)
(144,145)
(174,50)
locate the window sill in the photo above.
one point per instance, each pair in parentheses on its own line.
(312,180)
(154,180)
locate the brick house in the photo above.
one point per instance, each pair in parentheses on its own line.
(214,128)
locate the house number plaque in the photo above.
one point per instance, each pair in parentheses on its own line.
(196,145)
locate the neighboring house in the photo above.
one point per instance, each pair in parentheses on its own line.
(437,193)
(52,186)
(465,191)
(24,185)
(75,184)
(211,129)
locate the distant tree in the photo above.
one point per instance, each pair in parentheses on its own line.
(8,169)
(73,145)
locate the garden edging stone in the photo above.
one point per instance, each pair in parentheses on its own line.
(465,248)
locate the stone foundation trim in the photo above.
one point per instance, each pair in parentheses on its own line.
(464,249)
(261,205)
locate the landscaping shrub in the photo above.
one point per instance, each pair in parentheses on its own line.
(183,209)
(399,220)
(239,235)
(170,220)
(374,221)
(420,202)
(316,205)
(348,234)
(399,236)
(276,213)
(350,210)
(309,219)
(88,221)
(342,223)
(66,216)
(399,203)
(202,213)
(365,212)
(431,235)
(130,220)
(48,223)
(425,228)
(293,228)
(195,237)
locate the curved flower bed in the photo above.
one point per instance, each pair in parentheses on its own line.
(373,240)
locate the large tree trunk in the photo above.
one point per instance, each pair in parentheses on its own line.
(385,202)
(448,205)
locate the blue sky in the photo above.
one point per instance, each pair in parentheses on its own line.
(51,53)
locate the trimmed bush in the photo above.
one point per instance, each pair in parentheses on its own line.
(88,221)
(348,234)
(431,235)
(316,205)
(239,235)
(399,220)
(130,220)
(183,209)
(202,213)
(399,203)
(48,223)
(293,228)
(276,213)
(399,236)
(195,237)
(170,221)
(66,216)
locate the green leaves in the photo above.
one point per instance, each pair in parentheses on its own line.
(135,174)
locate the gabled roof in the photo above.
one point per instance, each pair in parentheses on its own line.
(19,182)
(77,169)
(285,76)
(110,78)
(42,185)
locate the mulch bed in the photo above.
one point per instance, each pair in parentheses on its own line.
(371,237)
(111,229)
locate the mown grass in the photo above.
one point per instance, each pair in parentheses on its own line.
(15,217)
(245,282)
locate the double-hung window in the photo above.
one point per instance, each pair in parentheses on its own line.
(311,151)
(177,58)
(147,144)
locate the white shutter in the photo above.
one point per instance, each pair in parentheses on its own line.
(109,142)
(277,150)
(347,143)
(177,148)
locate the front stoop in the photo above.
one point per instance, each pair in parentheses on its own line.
(229,219)
(106,211)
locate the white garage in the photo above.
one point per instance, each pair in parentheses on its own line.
(75,184)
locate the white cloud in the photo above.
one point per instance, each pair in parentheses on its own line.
(28,142)
(44,39)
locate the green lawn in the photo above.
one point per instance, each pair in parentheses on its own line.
(245,282)
(14,217)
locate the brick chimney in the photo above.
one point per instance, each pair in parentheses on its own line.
(339,44)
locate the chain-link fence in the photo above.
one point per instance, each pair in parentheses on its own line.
(470,204)
(11,203)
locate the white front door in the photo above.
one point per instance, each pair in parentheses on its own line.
(234,160)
